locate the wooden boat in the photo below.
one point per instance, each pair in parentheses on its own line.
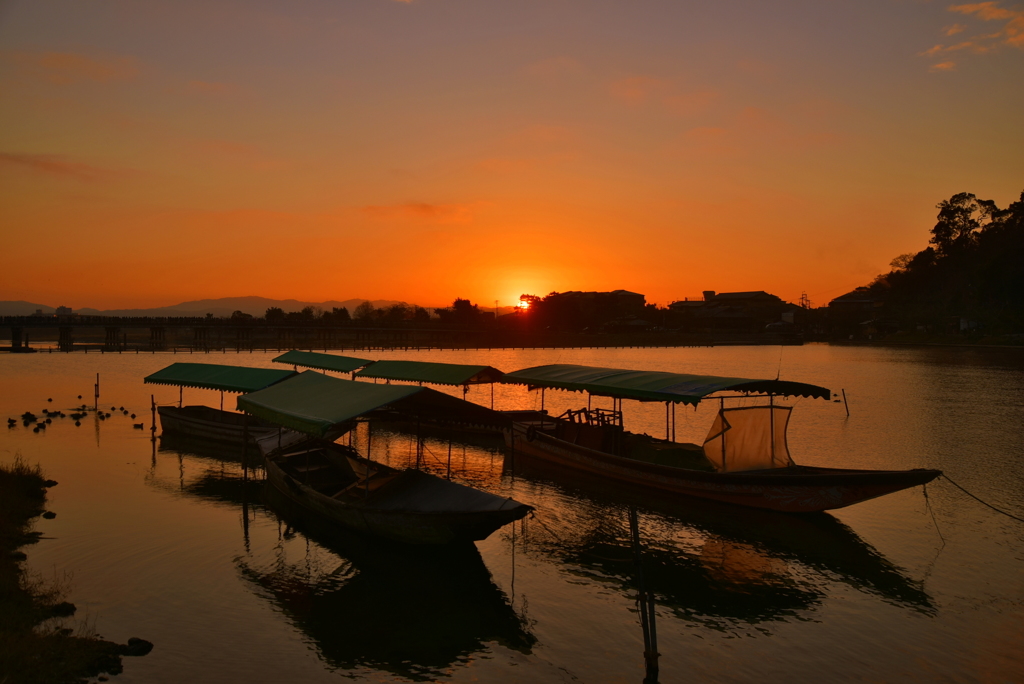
(204,422)
(745,459)
(408,506)
(335,482)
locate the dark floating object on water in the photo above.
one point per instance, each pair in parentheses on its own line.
(112,408)
(138,426)
(28,415)
(120,408)
(133,415)
(35,429)
(49,515)
(50,399)
(41,426)
(48,421)
(78,423)
(79,396)
(108,415)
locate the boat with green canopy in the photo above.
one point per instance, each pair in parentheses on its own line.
(319,361)
(368,497)
(744,459)
(205,422)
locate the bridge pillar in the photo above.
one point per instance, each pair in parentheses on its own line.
(201,338)
(284,338)
(112,341)
(65,342)
(157,337)
(243,337)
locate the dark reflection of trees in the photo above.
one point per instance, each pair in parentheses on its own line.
(711,563)
(410,611)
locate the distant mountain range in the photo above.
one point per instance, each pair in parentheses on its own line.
(256,306)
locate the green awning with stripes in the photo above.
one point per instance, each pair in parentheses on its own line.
(315,403)
(218,377)
(431,373)
(652,385)
(331,362)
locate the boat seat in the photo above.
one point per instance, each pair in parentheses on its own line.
(311,468)
(361,487)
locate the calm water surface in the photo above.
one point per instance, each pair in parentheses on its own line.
(167,542)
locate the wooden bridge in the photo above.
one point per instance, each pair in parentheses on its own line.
(111,334)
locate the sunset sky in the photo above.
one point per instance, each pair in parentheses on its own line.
(156,152)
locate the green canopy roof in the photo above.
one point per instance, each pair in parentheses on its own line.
(314,403)
(652,385)
(332,362)
(218,377)
(434,373)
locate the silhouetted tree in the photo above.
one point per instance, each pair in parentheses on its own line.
(364,312)
(274,313)
(240,316)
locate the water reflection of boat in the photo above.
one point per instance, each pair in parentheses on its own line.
(712,562)
(410,611)
(744,460)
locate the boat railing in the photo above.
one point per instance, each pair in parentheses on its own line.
(595,417)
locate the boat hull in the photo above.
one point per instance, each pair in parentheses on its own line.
(403,526)
(798,489)
(208,423)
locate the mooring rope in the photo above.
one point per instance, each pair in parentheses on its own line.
(981,501)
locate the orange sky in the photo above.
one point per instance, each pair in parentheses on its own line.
(152,153)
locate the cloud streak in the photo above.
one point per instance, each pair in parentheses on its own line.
(52,165)
(65,68)
(422,211)
(1010,33)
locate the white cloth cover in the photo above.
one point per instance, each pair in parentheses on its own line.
(742,439)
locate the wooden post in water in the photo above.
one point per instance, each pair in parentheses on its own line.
(846,404)
(96,394)
(152,407)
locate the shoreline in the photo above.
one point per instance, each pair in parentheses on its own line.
(38,642)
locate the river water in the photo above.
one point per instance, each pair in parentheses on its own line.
(167,541)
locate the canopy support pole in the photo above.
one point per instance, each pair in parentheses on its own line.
(152,407)
(541,398)
(245,438)
(673,421)
(721,412)
(222,400)
(771,423)
(492,396)
(181,393)
(668,431)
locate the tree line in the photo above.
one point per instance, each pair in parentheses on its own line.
(461,312)
(971,271)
